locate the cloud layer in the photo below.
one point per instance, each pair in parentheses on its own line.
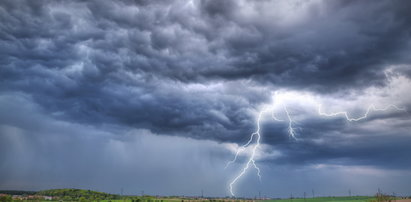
(199,72)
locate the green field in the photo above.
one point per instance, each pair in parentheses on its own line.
(326,199)
(81,195)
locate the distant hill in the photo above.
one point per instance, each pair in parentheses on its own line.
(16,192)
(69,194)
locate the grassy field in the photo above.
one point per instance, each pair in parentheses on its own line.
(317,199)
(326,199)
(81,195)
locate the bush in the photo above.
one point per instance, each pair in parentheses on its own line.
(381,198)
(5,198)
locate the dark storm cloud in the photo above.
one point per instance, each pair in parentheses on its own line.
(384,150)
(201,69)
(336,45)
(38,152)
(105,62)
(142,47)
(336,141)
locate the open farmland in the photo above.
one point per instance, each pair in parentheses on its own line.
(326,199)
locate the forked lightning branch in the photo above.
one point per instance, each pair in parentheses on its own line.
(279,106)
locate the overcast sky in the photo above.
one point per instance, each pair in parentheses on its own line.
(159,95)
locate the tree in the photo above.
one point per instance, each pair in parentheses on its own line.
(82,199)
(5,198)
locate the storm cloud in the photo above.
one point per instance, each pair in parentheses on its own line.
(80,76)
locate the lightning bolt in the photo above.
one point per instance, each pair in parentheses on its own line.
(257,136)
(251,158)
(369,109)
(291,132)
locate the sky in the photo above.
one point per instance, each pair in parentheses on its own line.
(158,96)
